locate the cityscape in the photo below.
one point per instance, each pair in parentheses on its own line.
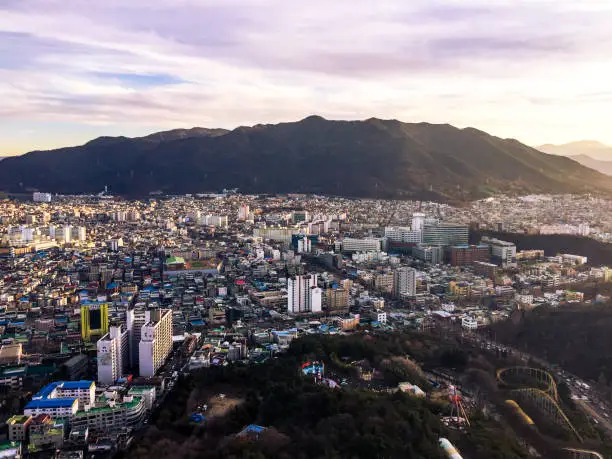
(265,229)
(107,304)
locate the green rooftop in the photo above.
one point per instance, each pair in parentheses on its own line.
(141,388)
(109,409)
(175,260)
(18,419)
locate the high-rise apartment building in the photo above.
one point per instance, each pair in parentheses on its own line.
(243,212)
(81,233)
(94,320)
(134,320)
(337,299)
(383,282)
(404,283)
(303,295)
(155,342)
(304,245)
(113,355)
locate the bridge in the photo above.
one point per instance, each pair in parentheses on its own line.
(545,396)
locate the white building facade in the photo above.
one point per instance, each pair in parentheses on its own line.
(155,343)
(303,295)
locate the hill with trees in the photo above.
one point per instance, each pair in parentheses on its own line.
(371,158)
(576,338)
(305,420)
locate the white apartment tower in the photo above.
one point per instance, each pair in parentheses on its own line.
(304,245)
(113,355)
(243,212)
(155,342)
(81,233)
(303,295)
(404,282)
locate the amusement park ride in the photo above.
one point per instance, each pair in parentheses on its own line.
(457,412)
(317,371)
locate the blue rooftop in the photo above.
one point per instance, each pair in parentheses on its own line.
(74,385)
(45,391)
(255,429)
(50,403)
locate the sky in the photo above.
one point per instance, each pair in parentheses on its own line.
(72,70)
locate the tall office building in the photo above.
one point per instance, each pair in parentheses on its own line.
(404,282)
(113,355)
(303,294)
(94,320)
(445,234)
(155,342)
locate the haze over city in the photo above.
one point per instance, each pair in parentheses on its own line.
(73,70)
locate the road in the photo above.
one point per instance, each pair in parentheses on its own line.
(588,409)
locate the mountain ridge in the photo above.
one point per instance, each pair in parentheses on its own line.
(371,158)
(592,148)
(605,167)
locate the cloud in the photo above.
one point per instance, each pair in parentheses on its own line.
(509,67)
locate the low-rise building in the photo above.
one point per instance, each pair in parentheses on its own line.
(18,427)
(111,417)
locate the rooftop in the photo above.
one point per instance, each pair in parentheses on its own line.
(75,385)
(51,403)
(18,419)
(108,409)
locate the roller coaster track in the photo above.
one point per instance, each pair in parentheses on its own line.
(584,454)
(545,398)
(543,378)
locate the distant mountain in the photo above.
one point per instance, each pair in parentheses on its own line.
(592,148)
(605,167)
(371,158)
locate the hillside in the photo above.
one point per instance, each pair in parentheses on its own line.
(372,158)
(307,420)
(575,337)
